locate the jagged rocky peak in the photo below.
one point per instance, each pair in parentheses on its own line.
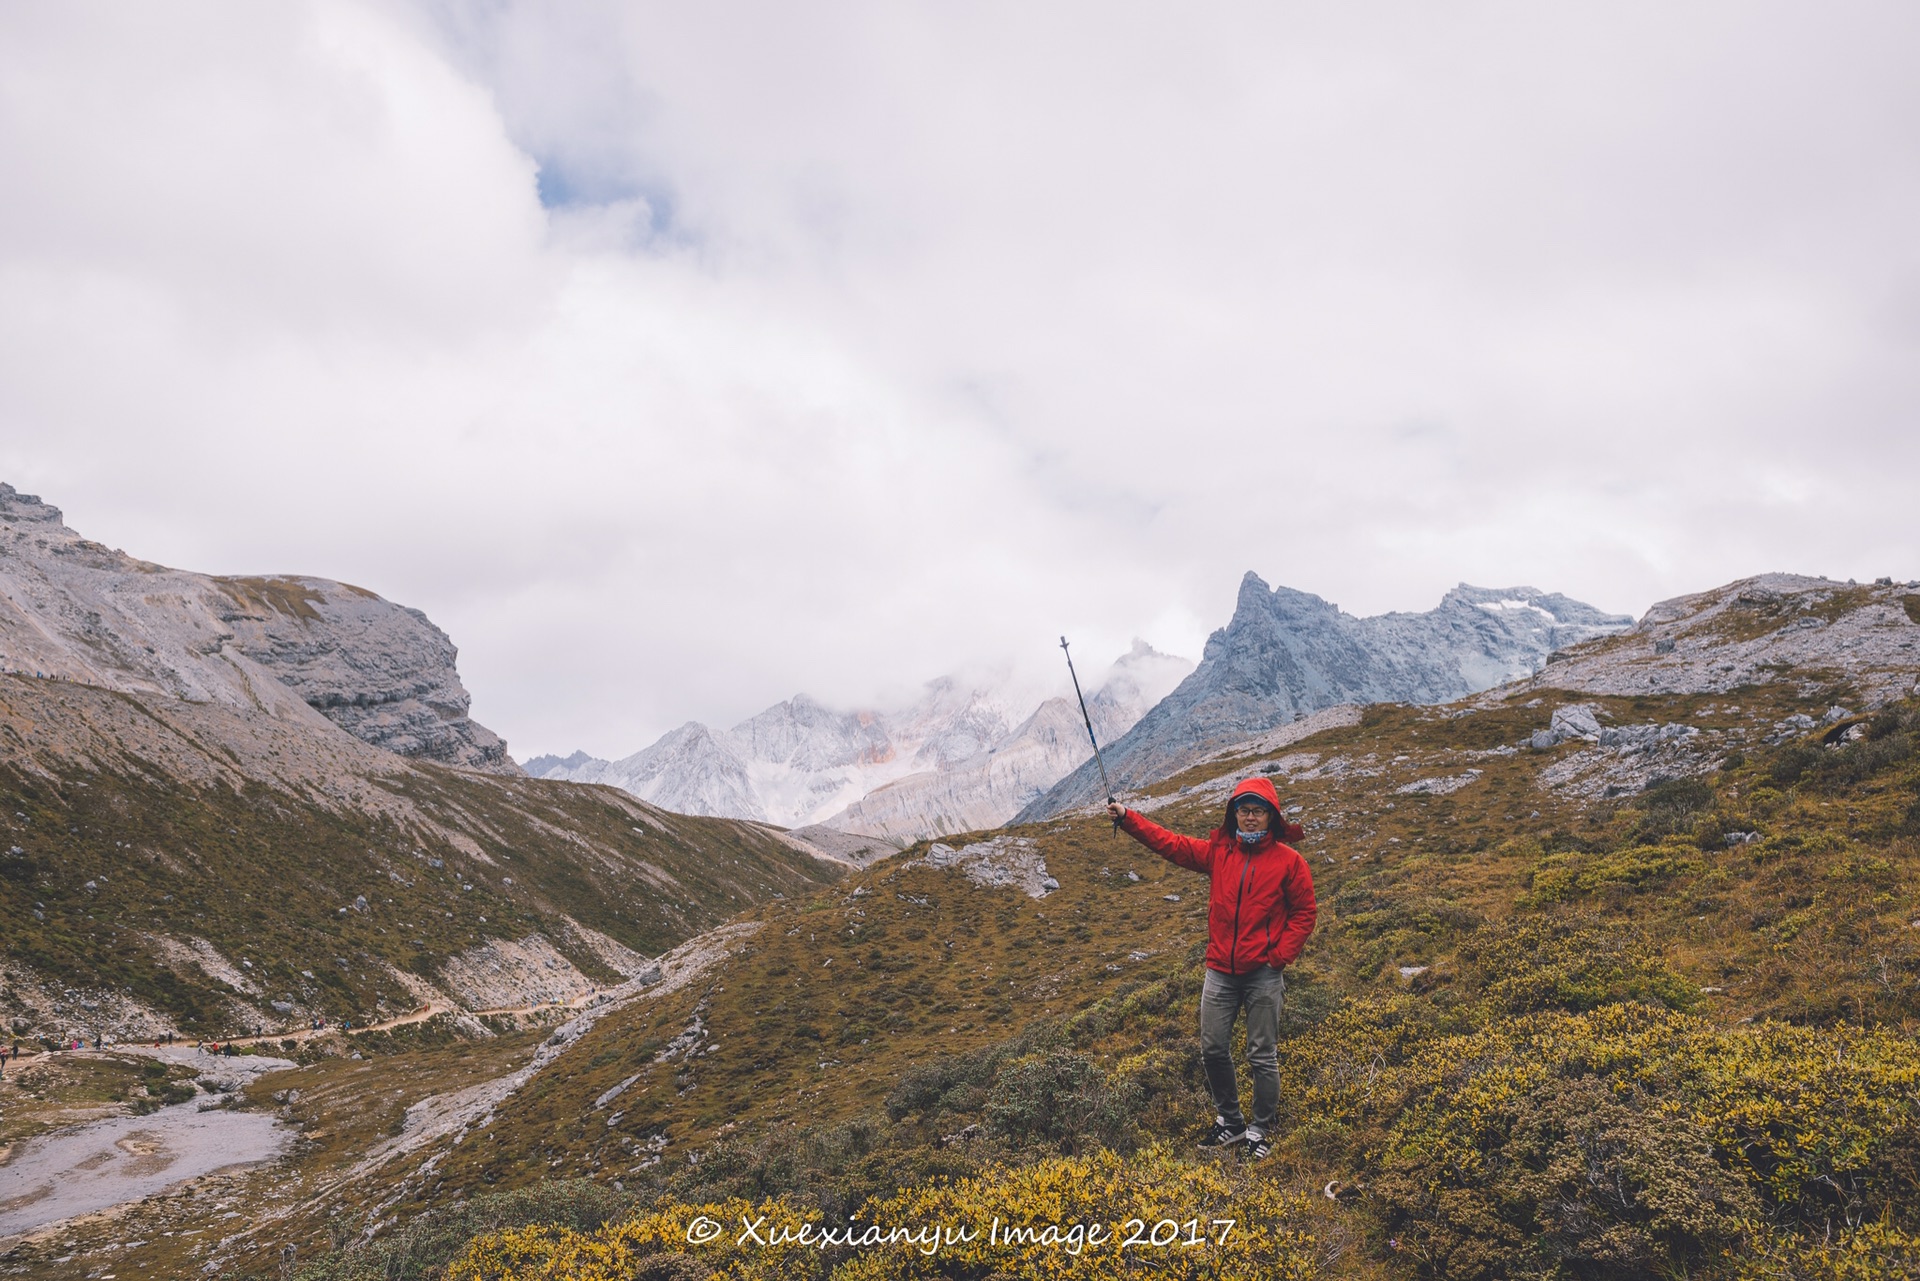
(1287,653)
(549,765)
(291,647)
(26,509)
(802,733)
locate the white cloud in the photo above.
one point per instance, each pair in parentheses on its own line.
(858,342)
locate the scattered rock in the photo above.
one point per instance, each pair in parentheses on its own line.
(1438,786)
(1575,721)
(1003,861)
(613,1094)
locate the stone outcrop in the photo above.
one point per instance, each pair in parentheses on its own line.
(1003,861)
(1287,654)
(293,647)
(1760,630)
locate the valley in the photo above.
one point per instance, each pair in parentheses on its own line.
(1652,903)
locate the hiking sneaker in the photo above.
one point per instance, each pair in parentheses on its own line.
(1257,1149)
(1222,1136)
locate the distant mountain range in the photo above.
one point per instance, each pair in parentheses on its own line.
(960,758)
(1288,653)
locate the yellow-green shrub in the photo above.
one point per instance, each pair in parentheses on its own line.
(1268,1237)
(1560,877)
(647,1242)
(1706,1132)
(1092,1204)
(1871,1252)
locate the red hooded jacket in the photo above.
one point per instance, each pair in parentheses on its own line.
(1260,909)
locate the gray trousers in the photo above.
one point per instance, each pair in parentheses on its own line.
(1222,997)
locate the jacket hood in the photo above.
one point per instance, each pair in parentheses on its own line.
(1261,788)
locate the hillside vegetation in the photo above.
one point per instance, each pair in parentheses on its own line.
(1612,980)
(1540,1033)
(141,899)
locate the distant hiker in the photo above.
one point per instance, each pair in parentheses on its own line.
(1260,910)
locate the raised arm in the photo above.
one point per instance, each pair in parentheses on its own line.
(1187,851)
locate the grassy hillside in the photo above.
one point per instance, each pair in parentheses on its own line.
(109,863)
(1669,1031)
(1638,1008)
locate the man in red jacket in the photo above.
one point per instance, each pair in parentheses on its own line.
(1260,911)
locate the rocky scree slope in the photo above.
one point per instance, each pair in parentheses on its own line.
(296,648)
(961,757)
(1288,653)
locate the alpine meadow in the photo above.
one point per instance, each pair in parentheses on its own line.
(1616,974)
(890,641)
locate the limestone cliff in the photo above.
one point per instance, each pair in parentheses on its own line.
(293,647)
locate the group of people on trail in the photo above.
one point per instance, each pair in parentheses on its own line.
(1260,910)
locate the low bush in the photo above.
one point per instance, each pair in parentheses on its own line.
(1560,1177)
(1090,1218)
(1558,1144)
(1671,808)
(1569,963)
(1061,1100)
(422,1250)
(1562,877)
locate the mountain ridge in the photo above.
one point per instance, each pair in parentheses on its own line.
(1287,653)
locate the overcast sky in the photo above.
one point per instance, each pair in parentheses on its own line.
(676,358)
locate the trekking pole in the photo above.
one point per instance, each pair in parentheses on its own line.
(1104,784)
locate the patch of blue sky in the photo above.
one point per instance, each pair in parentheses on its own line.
(563,186)
(646,210)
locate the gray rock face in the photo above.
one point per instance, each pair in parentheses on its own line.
(1288,653)
(1772,627)
(1002,861)
(1568,723)
(293,647)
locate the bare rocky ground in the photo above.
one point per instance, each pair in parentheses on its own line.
(1759,630)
